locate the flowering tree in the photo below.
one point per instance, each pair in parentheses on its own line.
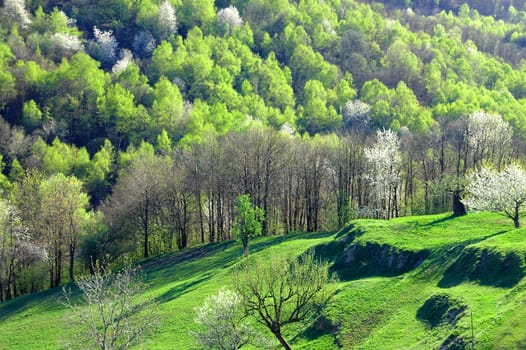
(384,161)
(167,19)
(17,10)
(17,250)
(123,62)
(221,322)
(104,48)
(356,115)
(489,137)
(503,191)
(230,18)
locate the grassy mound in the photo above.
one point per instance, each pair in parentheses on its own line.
(441,308)
(373,259)
(408,283)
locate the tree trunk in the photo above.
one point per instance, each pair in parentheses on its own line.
(459,208)
(516,216)
(72,263)
(58,267)
(283,342)
(146,238)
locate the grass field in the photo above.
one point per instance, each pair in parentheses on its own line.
(408,283)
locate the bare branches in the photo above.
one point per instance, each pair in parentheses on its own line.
(110,314)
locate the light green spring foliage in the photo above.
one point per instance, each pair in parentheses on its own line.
(283,290)
(248,220)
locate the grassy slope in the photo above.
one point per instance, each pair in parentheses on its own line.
(476,261)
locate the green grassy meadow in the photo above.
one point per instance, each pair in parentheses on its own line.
(408,283)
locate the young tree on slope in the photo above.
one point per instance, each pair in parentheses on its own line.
(111,314)
(283,290)
(503,191)
(248,220)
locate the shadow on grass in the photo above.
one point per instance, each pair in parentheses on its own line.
(439,261)
(215,256)
(485,266)
(183,288)
(439,221)
(45,300)
(320,327)
(259,246)
(168,260)
(332,250)
(441,308)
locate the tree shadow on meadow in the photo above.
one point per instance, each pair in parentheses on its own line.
(183,288)
(43,301)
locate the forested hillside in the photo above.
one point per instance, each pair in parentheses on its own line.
(129,128)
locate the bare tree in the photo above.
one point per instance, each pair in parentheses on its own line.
(283,290)
(135,204)
(489,138)
(111,313)
(178,201)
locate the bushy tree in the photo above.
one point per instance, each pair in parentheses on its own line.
(222,322)
(503,191)
(283,290)
(62,213)
(248,220)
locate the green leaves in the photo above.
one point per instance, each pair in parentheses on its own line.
(248,220)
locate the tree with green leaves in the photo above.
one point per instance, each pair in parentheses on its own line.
(62,213)
(248,220)
(283,290)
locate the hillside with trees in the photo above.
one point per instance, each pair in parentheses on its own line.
(131,129)
(423,282)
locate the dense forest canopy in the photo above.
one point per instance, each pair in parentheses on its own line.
(141,122)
